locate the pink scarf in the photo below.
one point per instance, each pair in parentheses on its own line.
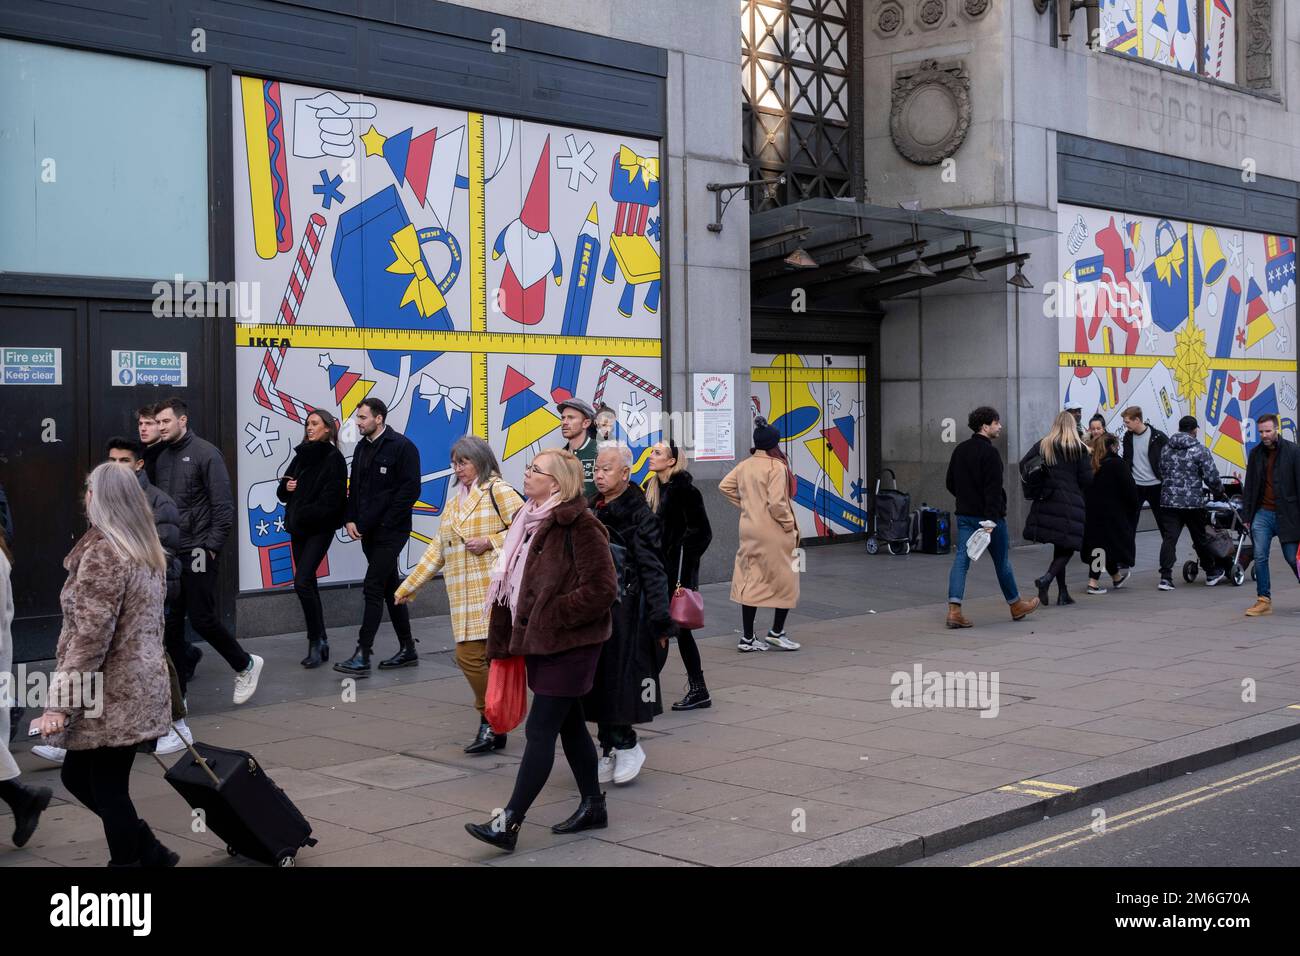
(508,573)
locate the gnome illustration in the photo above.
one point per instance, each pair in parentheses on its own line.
(531,252)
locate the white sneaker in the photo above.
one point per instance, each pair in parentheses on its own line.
(780,642)
(52,754)
(246,681)
(1214,577)
(627,764)
(605,768)
(175,740)
(748,644)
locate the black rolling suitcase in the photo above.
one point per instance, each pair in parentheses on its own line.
(241,804)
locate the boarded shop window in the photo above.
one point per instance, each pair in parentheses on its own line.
(103,165)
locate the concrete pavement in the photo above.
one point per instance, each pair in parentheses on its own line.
(803,758)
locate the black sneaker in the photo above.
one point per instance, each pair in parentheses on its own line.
(1118,582)
(1214,577)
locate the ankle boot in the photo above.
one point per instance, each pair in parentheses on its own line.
(1043,584)
(697,696)
(1063,594)
(152,852)
(358,665)
(485,740)
(317,653)
(405,656)
(1020,608)
(956,618)
(590,815)
(27,803)
(501,832)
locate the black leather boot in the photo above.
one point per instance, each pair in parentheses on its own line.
(1043,584)
(1063,594)
(27,803)
(590,815)
(152,852)
(405,657)
(485,740)
(318,652)
(697,696)
(358,665)
(501,832)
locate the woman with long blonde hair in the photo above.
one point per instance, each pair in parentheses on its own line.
(1057,518)
(110,690)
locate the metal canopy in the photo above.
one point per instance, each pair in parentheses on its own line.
(835,232)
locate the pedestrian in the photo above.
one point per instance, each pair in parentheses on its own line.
(549,602)
(1111,501)
(764,575)
(1271,505)
(1058,517)
(385,486)
(6,516)
(193,474)
(626,690)
(576,425)
(672,495)
(26,803)
(605,420)
(975,480)
(146,421)
(112,630)
(1143,445)
(314,490)
(1187,468)
(470,536)
(1097,428)
(1077,412)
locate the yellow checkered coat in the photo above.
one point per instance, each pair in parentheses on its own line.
(466,574)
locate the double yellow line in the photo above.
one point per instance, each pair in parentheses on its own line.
(1181,801)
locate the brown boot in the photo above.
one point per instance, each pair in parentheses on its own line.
(1023,608)
(956,618)
(1261,607)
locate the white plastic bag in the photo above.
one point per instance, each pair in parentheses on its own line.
(978,542)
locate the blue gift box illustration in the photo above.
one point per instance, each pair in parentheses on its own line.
(384,278)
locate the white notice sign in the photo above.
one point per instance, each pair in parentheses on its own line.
(150,368)
(20,365)
(715,417)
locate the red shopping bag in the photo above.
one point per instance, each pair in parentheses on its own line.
(507,694)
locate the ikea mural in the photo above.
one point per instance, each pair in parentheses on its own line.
(817,403)
(1165,31)
(1180,319)
(467,269)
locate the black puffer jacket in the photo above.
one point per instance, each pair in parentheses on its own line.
(318,502)
(168,521)
(193,474)
(632,655)
(1059,517)
(686,529)
(1186,465)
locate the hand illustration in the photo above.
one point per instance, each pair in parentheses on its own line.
(322,126)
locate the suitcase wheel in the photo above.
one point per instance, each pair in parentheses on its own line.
(1238,575)
(873,545)
(230,851)
(286,859)
(1189,571)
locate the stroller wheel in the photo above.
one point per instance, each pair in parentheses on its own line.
(1189,571)
(1252,572)
(873,545)
(1238,575)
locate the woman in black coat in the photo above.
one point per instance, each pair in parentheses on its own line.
(1058,517)
(314,489)
(672,495)
(1108,531)
(626,690)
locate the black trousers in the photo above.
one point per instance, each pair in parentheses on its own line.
(748,613)
(1151,495)
(100,779)
(380,585)
(1172,522)
(198,601)
(690,654)
(308,552)
(549,718)
(616,736)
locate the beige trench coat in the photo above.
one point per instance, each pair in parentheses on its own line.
(764,574)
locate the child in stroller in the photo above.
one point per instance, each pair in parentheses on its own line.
(1229,538)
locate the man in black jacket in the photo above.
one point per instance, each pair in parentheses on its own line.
(1143,446)
(1271,505)
(146,420)
(975,479)
(194,474)
(385,486)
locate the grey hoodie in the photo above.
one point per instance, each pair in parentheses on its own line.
(1186,464)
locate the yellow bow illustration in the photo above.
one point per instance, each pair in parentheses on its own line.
(630,161)
(1171,260)
(422,290)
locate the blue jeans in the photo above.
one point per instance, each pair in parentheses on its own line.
(1263,529)
(999,550)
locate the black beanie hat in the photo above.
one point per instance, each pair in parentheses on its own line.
(765,436)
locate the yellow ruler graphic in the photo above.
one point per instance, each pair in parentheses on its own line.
(1098,360)
(767,373)
(478,273)
(430,340)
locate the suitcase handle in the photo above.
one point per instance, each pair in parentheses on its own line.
(892,477)
(193,753)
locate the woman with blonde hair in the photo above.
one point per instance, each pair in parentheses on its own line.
(472,531)
(549,601)
(113,631)
(1057,517)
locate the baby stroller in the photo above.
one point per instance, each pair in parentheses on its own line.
(889,518)
(1229,537)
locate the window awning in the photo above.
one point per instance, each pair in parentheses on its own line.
(841,250)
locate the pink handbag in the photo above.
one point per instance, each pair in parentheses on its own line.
(687,606)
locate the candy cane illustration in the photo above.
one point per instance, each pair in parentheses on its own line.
(609,365)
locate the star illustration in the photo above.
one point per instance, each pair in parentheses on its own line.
(855,409)
(652,228)
(1241,337)
(279,523)
(260,437)
(374,142)
(262,529)
(328,189)
(575,161)
(1234,250)
(634,412)
(325,361)
(1282,339)
(834,400)
(856,491)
